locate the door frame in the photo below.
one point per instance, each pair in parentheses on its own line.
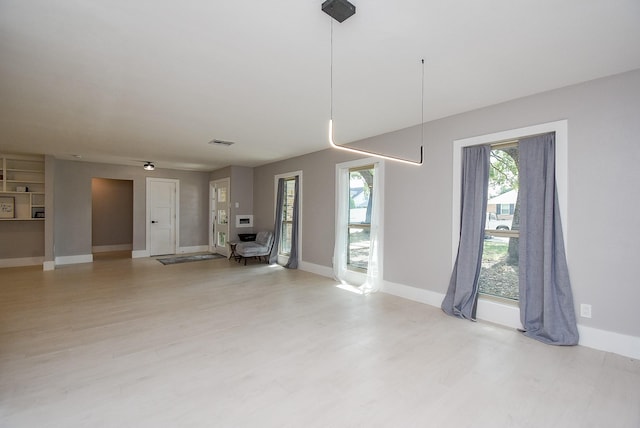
(213,208)
(176,200)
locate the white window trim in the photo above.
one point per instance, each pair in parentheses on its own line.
(559,127)
(283,260)
(499,313)
(352,276)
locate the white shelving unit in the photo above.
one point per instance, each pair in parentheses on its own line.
(22,179)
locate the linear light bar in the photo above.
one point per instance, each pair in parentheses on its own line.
(367,152)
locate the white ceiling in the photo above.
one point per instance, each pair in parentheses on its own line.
(122,81)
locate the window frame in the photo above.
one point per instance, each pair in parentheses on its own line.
(500,233)
(284,220)
(489,309)
(352,276)
(284,258)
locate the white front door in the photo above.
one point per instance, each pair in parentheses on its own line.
(219,216)
(162,204)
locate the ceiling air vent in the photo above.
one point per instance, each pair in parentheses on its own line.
(221,143)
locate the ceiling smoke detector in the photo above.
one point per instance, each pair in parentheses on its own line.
(221,143)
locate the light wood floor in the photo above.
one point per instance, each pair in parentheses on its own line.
(133,343)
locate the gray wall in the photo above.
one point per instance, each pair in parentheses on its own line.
(72,188)
(318,200)
(111,211)
(49,203)
(21,239)
(242,195)
(241,182)
(603,205)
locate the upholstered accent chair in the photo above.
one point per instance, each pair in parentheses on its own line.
(259,248)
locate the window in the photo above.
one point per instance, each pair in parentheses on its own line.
(284,241)
(287,216)
(359,225)
(358,250)
(505,209)
(488,309)
(499,271)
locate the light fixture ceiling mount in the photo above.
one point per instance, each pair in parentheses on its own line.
(149,166)
(339,10)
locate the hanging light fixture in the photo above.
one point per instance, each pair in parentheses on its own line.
(340,10)
(149,166)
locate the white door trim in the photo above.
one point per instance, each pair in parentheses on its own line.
(148,211)
(213,208)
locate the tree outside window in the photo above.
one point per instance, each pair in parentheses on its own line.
(359,225)
(499,271)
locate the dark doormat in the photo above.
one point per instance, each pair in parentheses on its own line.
(186,259)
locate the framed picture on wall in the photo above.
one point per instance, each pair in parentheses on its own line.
(7,207)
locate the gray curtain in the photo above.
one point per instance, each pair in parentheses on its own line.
(277,228)
(277,234)
(546,302)
(293,254)
(461,299)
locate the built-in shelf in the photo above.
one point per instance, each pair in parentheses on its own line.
(21,187)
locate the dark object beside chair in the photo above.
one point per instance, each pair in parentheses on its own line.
(259,248)
(244,237)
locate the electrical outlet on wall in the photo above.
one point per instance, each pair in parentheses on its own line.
(585,310)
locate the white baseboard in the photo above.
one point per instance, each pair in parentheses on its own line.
(194,249)
(412,293)
(48,265)
(71,260)
(139,254)
(622,344)
(21,261)
(509,316)
(109,248)
(317,269)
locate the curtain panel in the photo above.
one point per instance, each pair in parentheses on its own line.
(546,302)
(293,253)
(277,227)
(461,299)
(372,281)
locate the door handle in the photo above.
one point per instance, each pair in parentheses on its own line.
(154,221)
